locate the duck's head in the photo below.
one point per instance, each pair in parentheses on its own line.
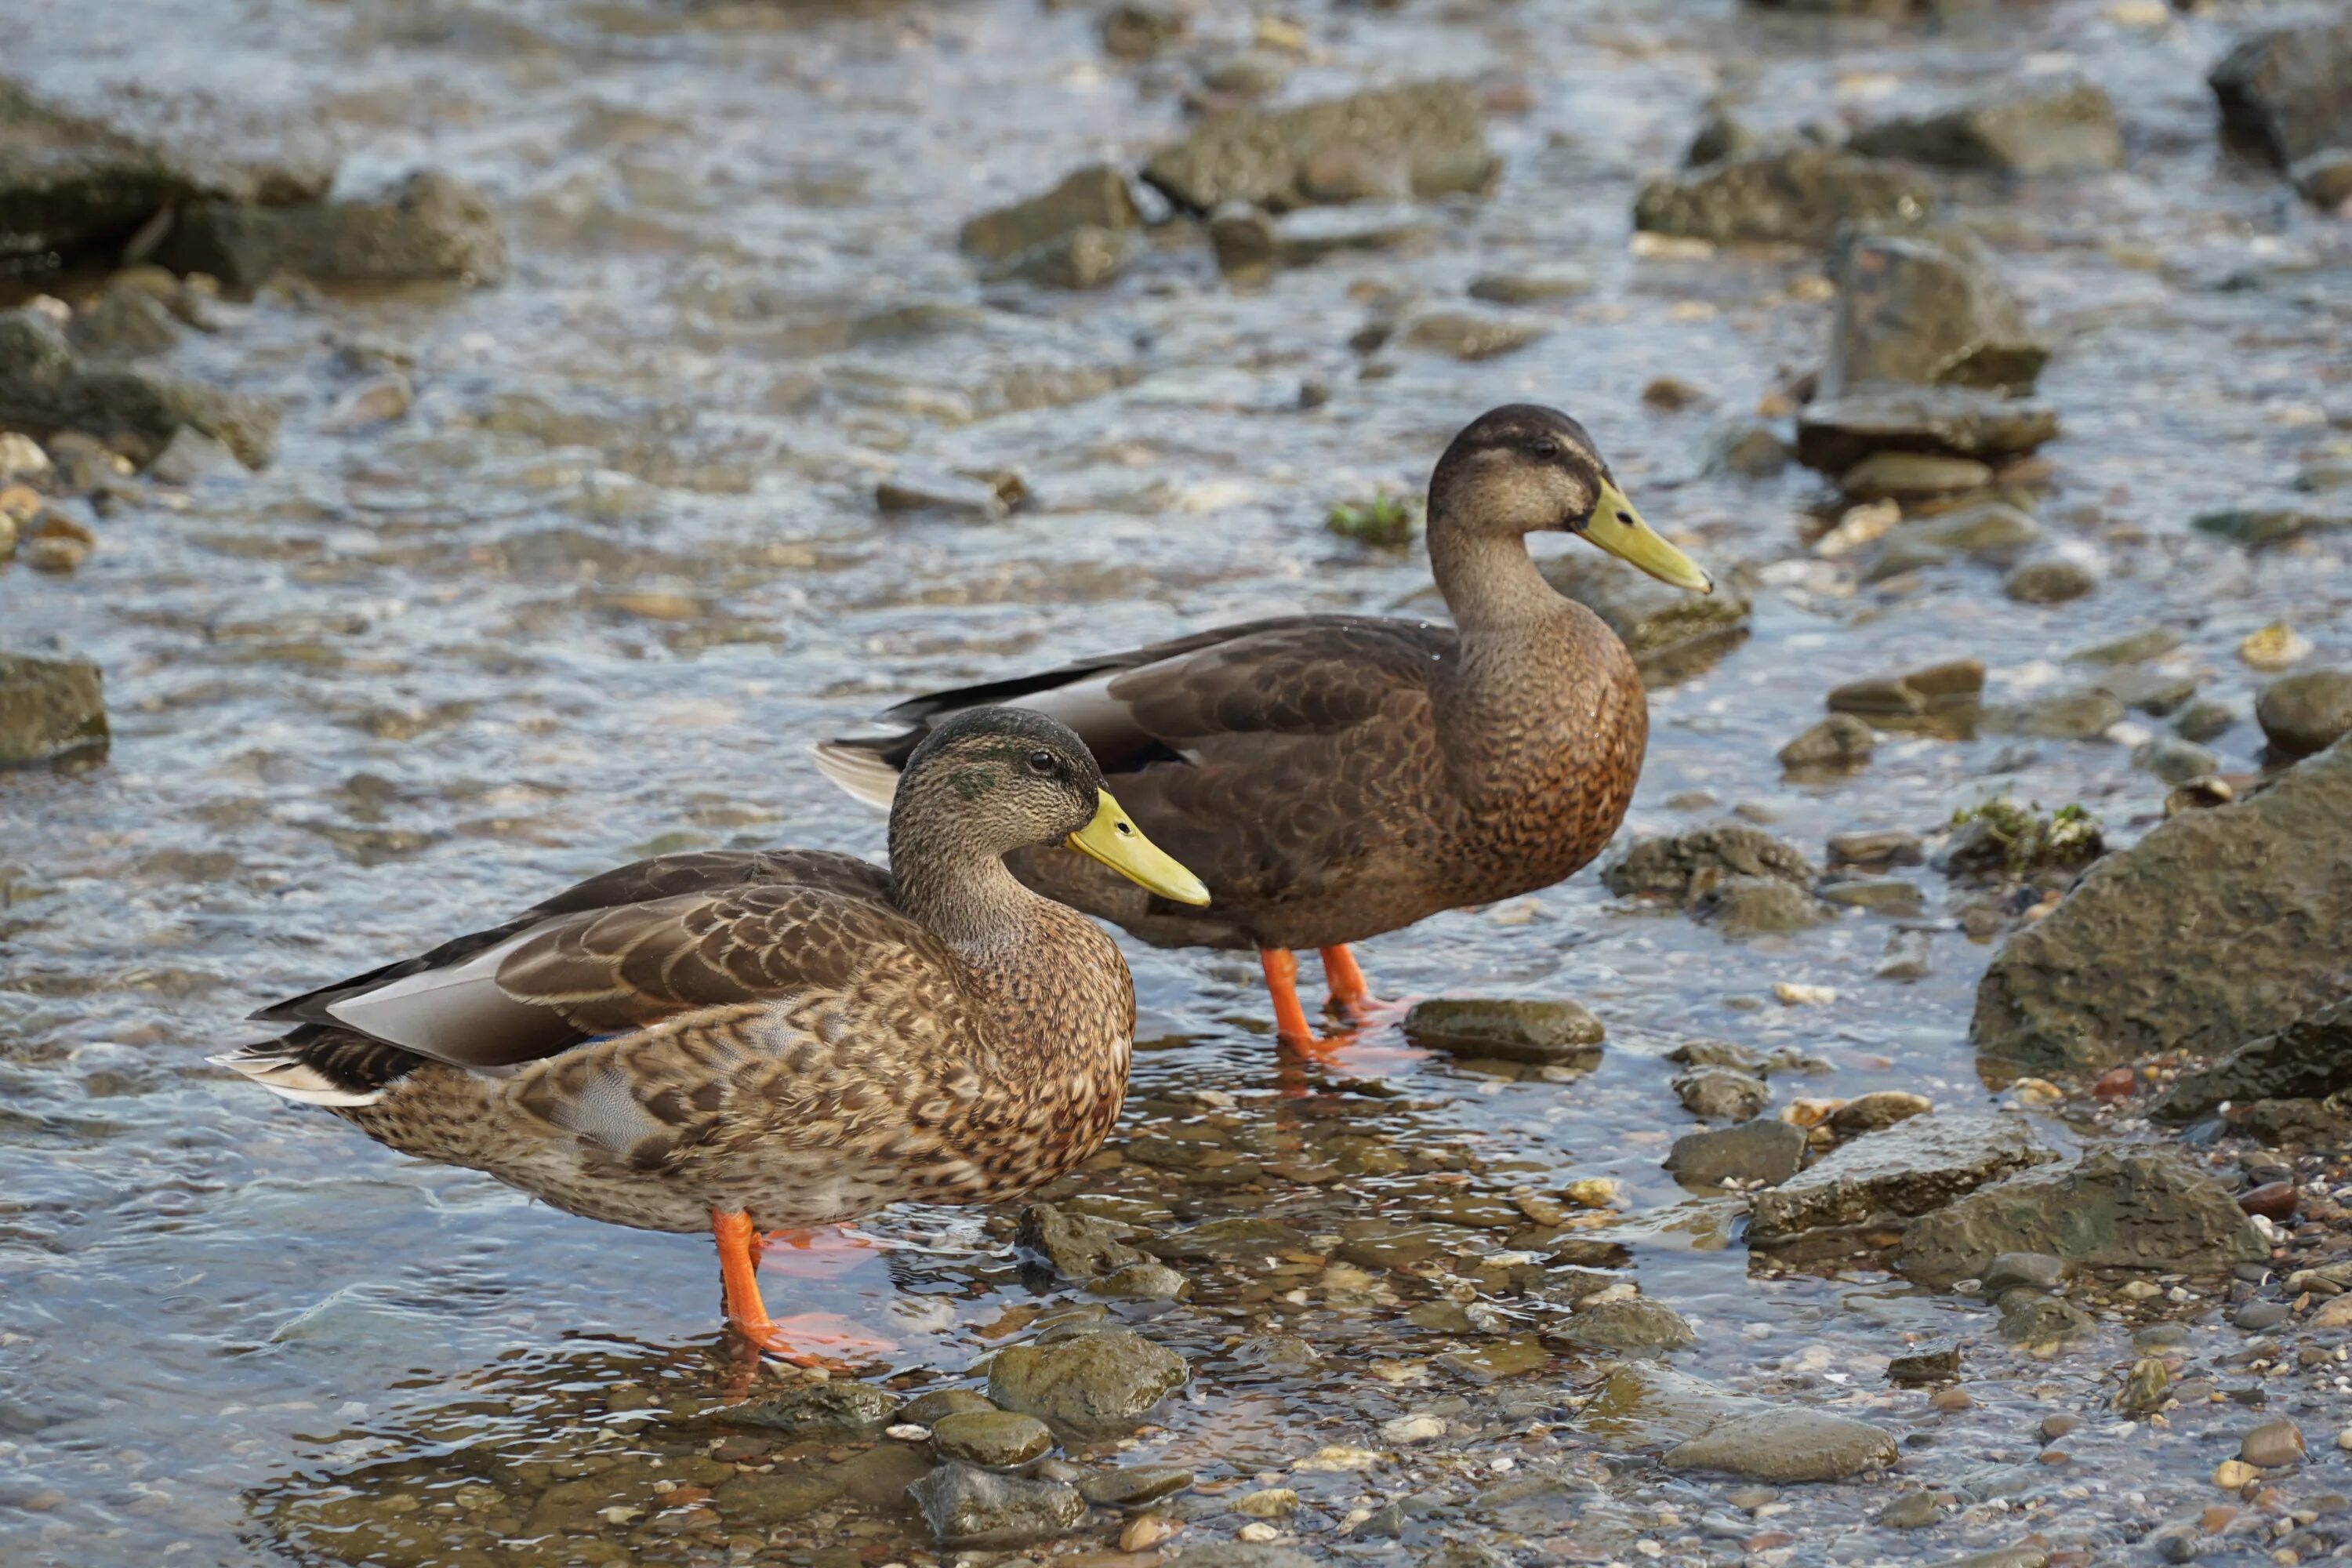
(1524,469)
(993,780)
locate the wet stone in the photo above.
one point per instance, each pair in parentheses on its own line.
(50,710)
(1835,434)
(1720,1094)
(2147,690)
(1530,286)
(124,323)
(1094,198)
(2061,716)
(919,488)
(1911,694)
(2174,760)
(2311,1059)
(1545,1032)
(1796,195)
(1766,1150)
(2272,1445)
(1077,1247)
(1432,134)
(1466,334)
(1141,1282)
(1876,847)
(2205,720)
(2028,1319)
(1682,865)
(1135,30)
(851,1407)
(2053,581)
(1887,895)
(2258,527)
(1789,1443)
(1907,476)
(1839,741)
(2038,126)
(996,1438)
(2138,1208)
(1913,1511)
(2325,178)
(1877,1110)
(47,388)
(878,1478)
(2257,1317)
(2282,89)
(967,1506)
(1635,1327)
(1759,906)
(1932,1362)
(1747,451)
(930,1409)
(762,1501)
(1909,1169)
(1497,1360)
(1091,1382)
(1386,1246)
(2307,712)
(2105,978)
(1926,310)
(1131,1485)
(432,226)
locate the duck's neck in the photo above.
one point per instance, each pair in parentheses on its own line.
(1538,692)
(968,899)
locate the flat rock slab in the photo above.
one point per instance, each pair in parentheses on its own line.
(1428,137)
(1684,865)
(1910,1168)
(2037,128)
(1764,1150)
(1834,434)
(2219,926)
(2311,1059)
(1548,1033)
(1703,1427)
(968,1507)
(2137,1208)
(431,227)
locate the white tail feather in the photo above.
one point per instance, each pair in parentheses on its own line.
(857,770)
(284,1073)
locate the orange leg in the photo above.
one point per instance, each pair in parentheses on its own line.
(798,1340)
(1290,1026)
(1345,982)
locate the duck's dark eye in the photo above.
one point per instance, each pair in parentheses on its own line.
(1042,763)
(1543,446)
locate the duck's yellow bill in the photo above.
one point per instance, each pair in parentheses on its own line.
(1617,528)
(1118,843)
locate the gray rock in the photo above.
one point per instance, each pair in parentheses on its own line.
(1876,847)
(1912,1510)
(1913,693)
(1721,1094)
(190,458)
(75,185)
(1635,1327)
(1704,1053)
(1787,1444)
(2138,1208)
(125,322)
(2311,1059)
(2173,760)
(852,1407)
(1132,1486)
(1683,865)
(1911,476)
(1558,1032)
(1766,1150)
(1889,895)
(2307,712)
(46,387)
(998,1440)
(1086,258)
(2053,580)
(1834,433)
(1530,285)
(1471,334)
(50,710)
(2217,927)
(1839,741)
(2285,90)
(968,1507)
(1743,907)
(1925,310)
(1432,134)
(1747,451)
(432,226)
(2148,690)
(1094,198)
(1934,1361)
(2024,1270)
(917,488)
(2028,1319)
(2135,648)
(1795,195)
(1229,1240)
(1141,1282)
(2036,127)
(2325,178)
(1242,238)
(1671,634)
(2079,715)
(1909,1169)
(2272,1445)
(1090,1381)
(2258,527)
(1077,1246)
(1303,238)
(929,1409)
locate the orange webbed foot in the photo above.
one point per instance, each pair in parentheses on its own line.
(811,1339)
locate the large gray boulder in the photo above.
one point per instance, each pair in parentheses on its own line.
(1425,138)
(2133,1208)
(2288,90)
(2311,1059)
(2219,926)
(1926,310)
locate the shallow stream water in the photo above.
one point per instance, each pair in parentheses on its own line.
(594,595)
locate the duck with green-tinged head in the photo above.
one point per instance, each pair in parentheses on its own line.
(775,1040)
(1334,777)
